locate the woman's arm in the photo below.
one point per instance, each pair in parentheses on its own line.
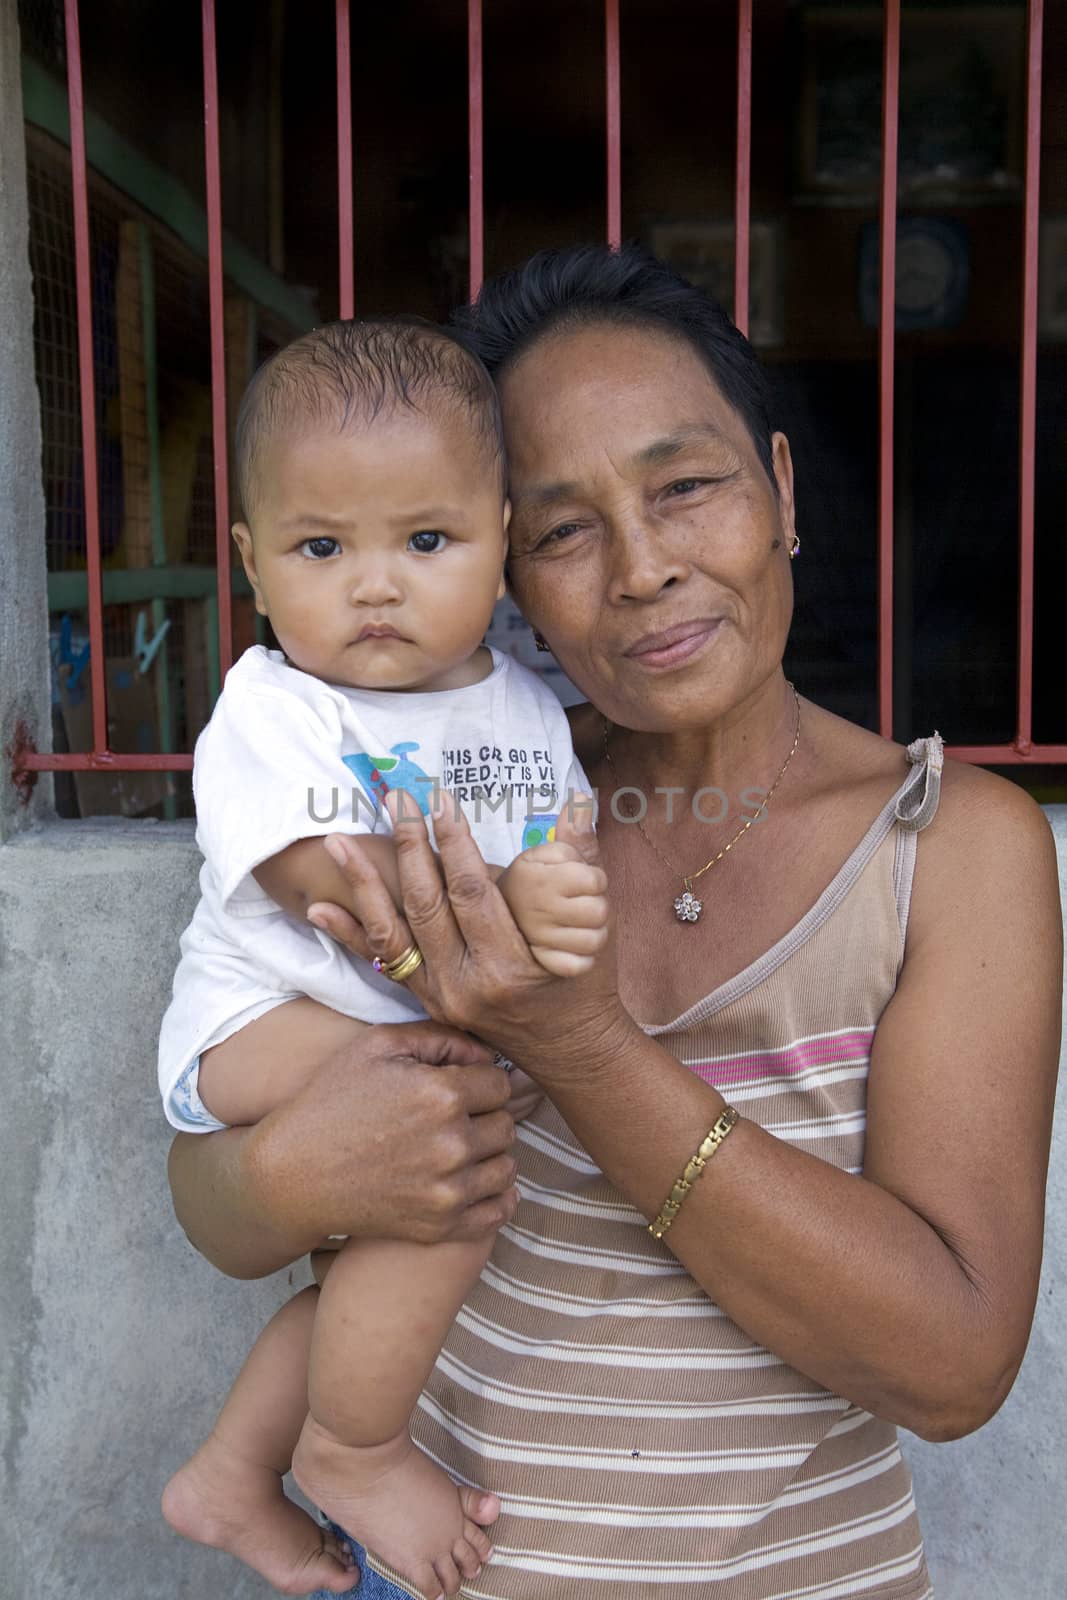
(406,1135)
(909,1290)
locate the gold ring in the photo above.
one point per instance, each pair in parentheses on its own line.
(402,967)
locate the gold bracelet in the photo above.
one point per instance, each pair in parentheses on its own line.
(673,1203)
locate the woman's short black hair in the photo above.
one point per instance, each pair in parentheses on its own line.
(590,284)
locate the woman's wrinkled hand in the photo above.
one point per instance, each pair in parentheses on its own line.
(478,972)
(408,1135)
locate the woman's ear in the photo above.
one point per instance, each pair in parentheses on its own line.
(242,535)
(782,462)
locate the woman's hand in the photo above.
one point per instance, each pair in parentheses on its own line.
(478,972)
(406,1134)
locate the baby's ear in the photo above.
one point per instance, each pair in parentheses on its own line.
(242,535)
(504,585)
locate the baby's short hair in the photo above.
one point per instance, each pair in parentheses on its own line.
(350,372)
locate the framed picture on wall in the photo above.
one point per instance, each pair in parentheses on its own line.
(933,273)
(1052,280)
(703,251)
(961,102)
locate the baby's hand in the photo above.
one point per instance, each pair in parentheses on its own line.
(560,903)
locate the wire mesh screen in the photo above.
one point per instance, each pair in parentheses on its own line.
(182,360)
(152,363)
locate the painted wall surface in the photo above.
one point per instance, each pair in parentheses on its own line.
(117,1340)
(24,615)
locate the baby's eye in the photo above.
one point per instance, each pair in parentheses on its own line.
(319,549)
(426,541)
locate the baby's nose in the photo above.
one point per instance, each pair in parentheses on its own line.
(374,584)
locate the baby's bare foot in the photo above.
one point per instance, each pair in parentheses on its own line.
(400,1505)
(220,1499)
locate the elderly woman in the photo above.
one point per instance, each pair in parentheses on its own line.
(818,1055)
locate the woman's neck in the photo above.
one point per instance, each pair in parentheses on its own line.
(745,749)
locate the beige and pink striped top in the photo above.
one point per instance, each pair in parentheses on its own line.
(640,1441)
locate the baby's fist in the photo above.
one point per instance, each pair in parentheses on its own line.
(560,904)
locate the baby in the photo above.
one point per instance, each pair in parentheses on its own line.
(371,472)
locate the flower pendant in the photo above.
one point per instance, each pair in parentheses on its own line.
(687,907)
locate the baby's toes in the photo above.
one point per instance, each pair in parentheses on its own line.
(477,1507)
(425,1580)
(447,1574)
(333,1580)
(466,1558)
(340,1552)
(478,1538)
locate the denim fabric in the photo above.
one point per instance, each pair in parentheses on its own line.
(372,1586)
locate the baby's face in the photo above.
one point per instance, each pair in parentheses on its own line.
(378,553)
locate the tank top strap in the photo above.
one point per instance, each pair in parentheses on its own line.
(917,802)
(915,808)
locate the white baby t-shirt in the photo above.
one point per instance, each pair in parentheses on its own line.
(287,757)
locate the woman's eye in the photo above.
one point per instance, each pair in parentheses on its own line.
(319,549)
(564,531)
(426,542)
(685,485)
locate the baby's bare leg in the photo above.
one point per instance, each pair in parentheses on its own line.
(229,1495)
(266,1064)
(241,1081)
(383,1316)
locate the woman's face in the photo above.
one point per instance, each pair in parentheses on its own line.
(647,544)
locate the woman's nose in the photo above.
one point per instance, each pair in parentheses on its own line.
(643,563)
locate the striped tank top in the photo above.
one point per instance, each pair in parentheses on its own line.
(641,1443)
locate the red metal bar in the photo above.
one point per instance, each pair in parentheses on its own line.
(346,228)
(83,281)
(1008,755)
(743,180)
(218,334)
(886,336)
(987,755)
(476,203)
(1028,381)
(104,761)
(614,110)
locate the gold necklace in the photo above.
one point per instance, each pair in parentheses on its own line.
(687,907)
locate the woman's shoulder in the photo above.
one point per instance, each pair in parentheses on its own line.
(972,799)
(987,838)
(977,812)
(983,817)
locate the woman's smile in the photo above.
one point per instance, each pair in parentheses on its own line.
(673,646)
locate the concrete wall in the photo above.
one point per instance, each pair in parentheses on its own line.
(24,692)
(116,1340)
